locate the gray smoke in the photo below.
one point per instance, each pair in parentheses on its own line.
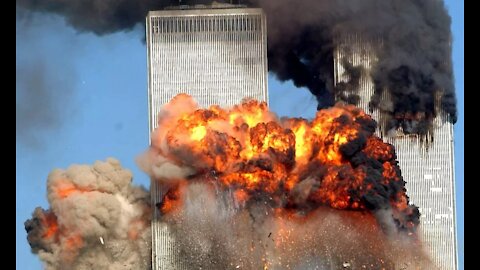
(96,220)
(212,233)
(44,88)
(35,96)
(414,66)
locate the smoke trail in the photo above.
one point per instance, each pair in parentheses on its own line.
(414,60)
(96,220)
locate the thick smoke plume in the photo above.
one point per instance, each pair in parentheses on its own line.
(247,190)
(413,75)
(96,220)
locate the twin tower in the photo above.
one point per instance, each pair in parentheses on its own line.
(218,55)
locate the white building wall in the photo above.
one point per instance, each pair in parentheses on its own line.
(218,56)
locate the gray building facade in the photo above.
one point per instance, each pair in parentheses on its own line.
(216,54)
(427,167)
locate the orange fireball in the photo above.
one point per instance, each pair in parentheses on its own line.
(334,159)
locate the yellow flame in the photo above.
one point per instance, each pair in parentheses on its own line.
(198,133)
(300,146)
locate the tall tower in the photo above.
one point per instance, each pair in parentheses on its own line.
(428,169)
(218,55)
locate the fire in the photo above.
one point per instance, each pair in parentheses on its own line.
(64,189)
(198,133)
(170,201)
(74,242)
(53,232)
(49,222)
(333,160)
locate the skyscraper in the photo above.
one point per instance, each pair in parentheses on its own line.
(427,166)
(218,55)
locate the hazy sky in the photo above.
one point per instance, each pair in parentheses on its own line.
(87,100)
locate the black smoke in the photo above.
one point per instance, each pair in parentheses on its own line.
(413,76)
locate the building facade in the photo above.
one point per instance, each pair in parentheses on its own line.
(427,167)
(216,54)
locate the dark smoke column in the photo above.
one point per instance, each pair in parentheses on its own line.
(414,67)
(426,162)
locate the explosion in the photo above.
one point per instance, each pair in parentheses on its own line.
(242,190)
(96,220)
(245,189)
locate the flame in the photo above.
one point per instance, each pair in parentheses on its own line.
(333,160)
(198,133)
(74,242)
(64,189)
(49,222)
(170,200)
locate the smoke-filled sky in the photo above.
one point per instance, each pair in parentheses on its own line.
(90,103)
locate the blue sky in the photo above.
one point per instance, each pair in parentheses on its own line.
(103,109)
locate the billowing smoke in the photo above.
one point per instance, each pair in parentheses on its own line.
(411,39)
(243,190)
(413,75)
(96,220)
(246,190)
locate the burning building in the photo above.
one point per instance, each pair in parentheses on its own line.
(222,40)
(247,190)
(232,41)
(241,189)
(423,142)
(217,54)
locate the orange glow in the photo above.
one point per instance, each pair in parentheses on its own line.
(296,162)
(49,221)
(198,133)
(240,195)
(74,242)
(171,200)
(135,228)
(64,189)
